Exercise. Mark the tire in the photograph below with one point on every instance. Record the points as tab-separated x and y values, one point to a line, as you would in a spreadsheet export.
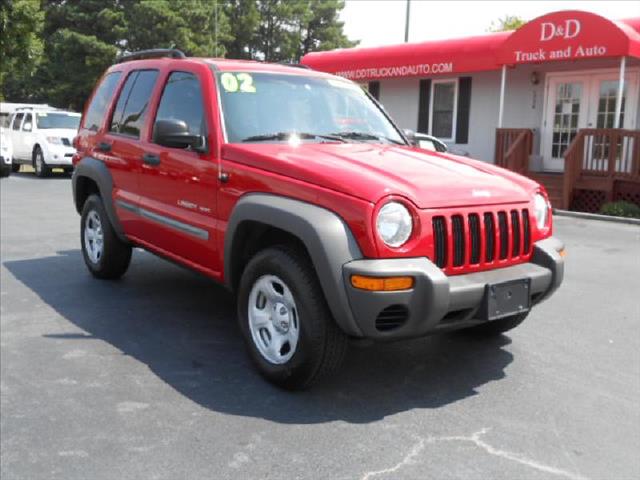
39	165
112	259
15	167
497	327
320	345
5	170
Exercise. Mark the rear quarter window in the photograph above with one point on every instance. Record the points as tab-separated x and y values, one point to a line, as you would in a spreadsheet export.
100	101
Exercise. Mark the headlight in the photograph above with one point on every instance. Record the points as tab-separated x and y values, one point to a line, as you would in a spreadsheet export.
541	210
54	140
394	224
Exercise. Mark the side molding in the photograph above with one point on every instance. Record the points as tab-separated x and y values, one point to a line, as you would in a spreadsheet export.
97	171
326	236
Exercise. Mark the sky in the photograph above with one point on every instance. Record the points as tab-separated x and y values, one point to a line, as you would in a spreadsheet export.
381	22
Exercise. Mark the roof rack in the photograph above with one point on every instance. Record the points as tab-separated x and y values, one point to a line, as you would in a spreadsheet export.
153	53
296	65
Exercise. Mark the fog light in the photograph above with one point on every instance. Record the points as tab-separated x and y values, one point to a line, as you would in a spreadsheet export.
382	284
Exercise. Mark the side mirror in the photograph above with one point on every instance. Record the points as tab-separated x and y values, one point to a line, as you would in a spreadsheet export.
410	135
26	127
175	133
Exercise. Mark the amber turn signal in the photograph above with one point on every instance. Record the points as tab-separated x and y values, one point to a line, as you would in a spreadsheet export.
562	253
382	284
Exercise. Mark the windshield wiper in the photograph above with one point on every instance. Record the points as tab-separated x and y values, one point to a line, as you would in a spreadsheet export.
354	135
286	135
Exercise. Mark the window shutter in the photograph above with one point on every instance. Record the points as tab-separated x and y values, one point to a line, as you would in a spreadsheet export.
374	90
464	106
424	98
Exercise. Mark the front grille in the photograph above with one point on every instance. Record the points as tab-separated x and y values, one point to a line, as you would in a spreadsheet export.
458	241
392	317
440	242
66	141
481	238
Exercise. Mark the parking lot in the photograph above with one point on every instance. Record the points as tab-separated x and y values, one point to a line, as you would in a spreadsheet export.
147	377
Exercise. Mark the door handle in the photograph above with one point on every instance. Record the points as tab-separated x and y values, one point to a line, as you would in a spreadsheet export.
104	147
151	159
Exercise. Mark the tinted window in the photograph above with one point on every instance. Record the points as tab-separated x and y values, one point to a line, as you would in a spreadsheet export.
27	126
17	120
182	100
100	101
131	109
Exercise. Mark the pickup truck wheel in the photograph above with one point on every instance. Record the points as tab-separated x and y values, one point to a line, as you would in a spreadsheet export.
496	327
105	255
15	167
284	318
39	164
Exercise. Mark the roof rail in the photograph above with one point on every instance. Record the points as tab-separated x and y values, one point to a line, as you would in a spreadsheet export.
296	65
153	53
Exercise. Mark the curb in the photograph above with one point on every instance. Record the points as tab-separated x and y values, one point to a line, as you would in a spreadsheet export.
595	216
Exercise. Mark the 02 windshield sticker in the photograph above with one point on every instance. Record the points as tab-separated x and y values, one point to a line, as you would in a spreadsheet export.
237	82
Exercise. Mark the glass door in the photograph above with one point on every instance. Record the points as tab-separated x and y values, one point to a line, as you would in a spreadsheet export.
565	116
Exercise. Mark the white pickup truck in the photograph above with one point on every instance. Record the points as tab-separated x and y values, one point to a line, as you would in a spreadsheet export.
43	138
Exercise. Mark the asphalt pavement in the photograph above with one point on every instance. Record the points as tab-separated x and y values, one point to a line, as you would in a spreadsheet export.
146	378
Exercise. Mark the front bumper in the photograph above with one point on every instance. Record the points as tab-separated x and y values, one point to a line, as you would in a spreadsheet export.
438	302
58	155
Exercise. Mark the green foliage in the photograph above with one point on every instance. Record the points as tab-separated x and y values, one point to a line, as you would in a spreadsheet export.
284	30
53	51
21	47
508	22
621	209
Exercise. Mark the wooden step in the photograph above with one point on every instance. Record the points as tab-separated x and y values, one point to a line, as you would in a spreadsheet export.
553	184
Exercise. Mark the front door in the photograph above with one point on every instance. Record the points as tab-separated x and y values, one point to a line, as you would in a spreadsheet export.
566	113
178	186
583	101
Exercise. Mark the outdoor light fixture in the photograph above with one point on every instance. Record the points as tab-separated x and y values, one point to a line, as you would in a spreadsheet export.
535	78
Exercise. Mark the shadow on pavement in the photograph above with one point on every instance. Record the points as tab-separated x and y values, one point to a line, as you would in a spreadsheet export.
183	327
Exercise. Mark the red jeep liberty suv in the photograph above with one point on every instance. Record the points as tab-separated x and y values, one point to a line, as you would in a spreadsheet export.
297	191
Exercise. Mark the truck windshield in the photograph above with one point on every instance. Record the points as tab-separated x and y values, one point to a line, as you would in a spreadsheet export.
268	107
57	120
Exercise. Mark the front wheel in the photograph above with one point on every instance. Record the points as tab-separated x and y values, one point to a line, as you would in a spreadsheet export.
286	323
39	165
105	255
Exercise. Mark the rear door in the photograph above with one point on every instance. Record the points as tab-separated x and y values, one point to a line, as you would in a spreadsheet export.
178	186
123	144
16	135
27	136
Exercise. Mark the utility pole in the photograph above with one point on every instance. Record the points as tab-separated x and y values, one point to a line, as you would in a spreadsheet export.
406	22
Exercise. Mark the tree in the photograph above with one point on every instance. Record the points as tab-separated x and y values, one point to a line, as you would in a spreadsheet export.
506	23
319	27
21	45
284	30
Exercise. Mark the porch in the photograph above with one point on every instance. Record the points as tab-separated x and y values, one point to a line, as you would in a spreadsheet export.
600	165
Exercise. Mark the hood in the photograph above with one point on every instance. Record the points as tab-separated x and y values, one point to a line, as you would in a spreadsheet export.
371	172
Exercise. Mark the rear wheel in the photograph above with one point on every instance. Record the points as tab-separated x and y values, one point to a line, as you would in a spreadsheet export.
39	165
105	255
286	323
496	327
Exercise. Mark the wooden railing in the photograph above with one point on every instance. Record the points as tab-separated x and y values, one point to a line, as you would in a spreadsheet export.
513	148
600	156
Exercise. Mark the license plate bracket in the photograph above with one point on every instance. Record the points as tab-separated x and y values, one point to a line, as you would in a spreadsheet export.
507	298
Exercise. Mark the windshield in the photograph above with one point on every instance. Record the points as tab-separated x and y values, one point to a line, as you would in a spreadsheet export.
262	107
57	120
